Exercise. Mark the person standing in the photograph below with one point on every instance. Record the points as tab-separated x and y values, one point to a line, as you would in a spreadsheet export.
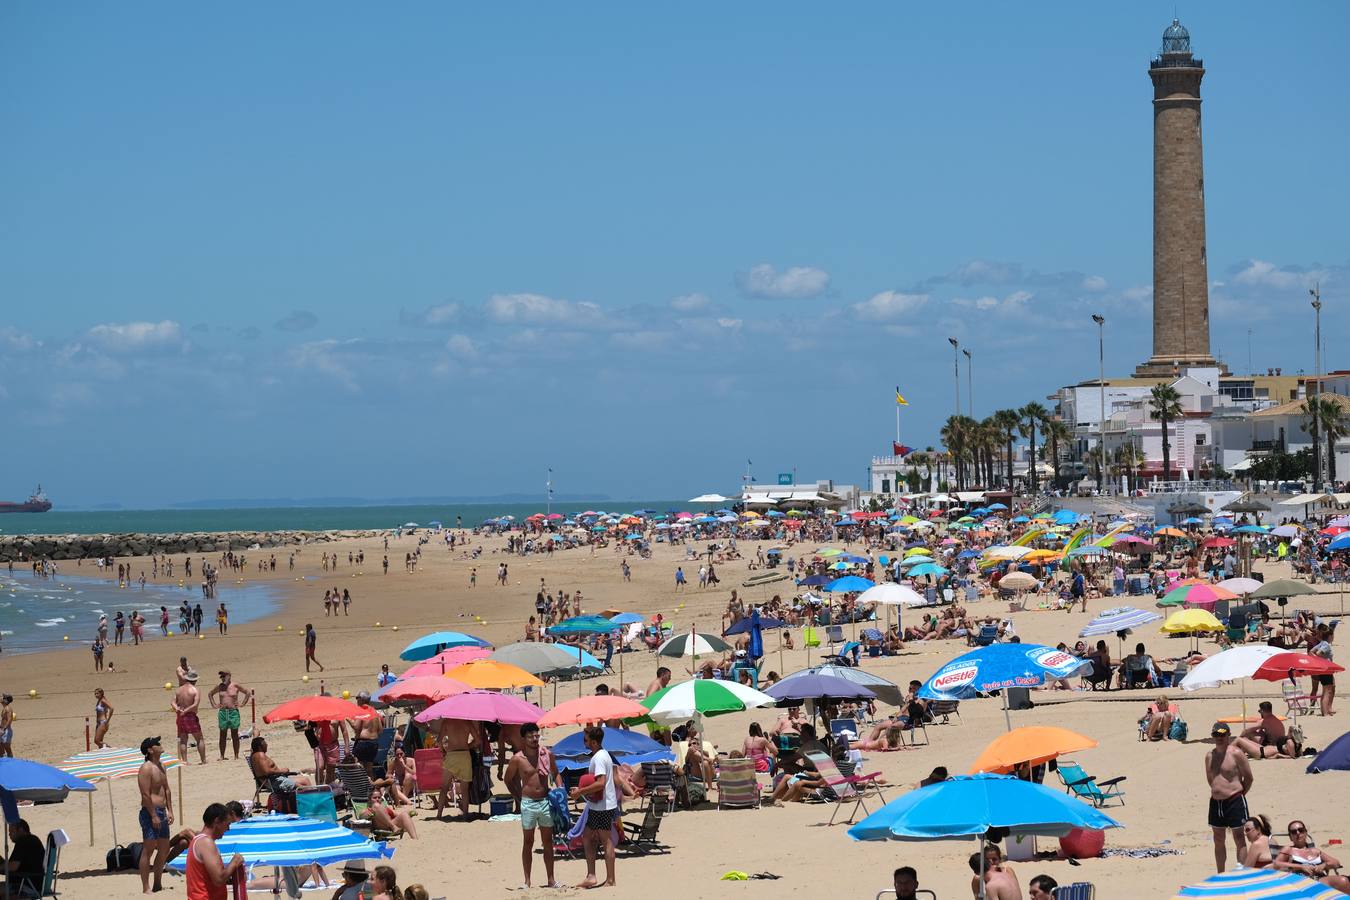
457	740
529	775
6	725
103	713
1230	778
186	701
311	642
197	619
602	801
226	698
207	873
156	814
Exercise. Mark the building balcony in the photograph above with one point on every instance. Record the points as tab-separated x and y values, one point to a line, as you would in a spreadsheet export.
1275	446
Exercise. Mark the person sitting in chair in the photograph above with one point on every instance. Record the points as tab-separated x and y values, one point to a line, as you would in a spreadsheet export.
26	864
1158	719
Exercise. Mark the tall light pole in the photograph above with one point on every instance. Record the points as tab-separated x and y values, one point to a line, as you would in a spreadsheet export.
970	385
1316	292
956	370
1101	399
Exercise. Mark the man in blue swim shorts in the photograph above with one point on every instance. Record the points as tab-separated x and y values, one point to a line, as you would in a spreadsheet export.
156	814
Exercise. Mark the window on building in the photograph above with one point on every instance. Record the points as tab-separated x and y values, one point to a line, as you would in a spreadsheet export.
1199	440
885	485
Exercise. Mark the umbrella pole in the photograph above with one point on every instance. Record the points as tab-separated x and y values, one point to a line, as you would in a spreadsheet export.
181	806
1007	719
112	812
90	798
981	842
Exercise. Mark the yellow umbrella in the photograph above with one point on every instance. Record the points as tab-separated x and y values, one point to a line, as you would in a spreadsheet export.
1191	620
918	551
1042	555
490	674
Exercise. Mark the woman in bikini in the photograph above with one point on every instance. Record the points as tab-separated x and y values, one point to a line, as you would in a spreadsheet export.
1302	856
387	817
759	748
1257	832
103	713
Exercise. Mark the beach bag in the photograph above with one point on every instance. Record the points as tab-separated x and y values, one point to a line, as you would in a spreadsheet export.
123	858
1178	730
1296	734
480	788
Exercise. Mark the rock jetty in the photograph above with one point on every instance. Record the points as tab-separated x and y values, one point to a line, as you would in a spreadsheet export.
19	548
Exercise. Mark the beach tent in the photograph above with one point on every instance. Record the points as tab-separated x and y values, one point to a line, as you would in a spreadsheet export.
1335	756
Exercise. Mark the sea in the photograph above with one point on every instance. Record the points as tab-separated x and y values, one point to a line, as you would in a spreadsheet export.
299	518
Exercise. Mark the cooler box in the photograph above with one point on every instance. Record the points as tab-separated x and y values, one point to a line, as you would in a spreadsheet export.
501	806
1082	843
1021	847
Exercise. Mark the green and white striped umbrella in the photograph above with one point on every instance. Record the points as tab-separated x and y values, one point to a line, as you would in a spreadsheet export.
702	696
693	643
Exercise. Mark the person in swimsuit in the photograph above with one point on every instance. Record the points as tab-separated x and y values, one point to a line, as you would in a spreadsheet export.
1304	857
103	713
1257	832
759	748
226	698
529	776
156	814
6	725
1229	776
186	701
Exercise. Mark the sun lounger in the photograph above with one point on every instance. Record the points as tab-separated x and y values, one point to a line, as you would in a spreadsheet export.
850	789
737	785
1087	787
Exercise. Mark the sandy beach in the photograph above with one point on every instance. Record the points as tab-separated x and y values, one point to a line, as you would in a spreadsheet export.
1165	792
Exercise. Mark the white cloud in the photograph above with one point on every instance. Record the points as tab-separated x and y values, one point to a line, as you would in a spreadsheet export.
889	305
1259	273
730	324
131	337
16	341
536	309
798	282
1012	305
690	302
639	340
1094	283
461	345
327	357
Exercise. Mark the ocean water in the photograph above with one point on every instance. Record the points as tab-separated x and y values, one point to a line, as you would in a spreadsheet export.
40	613
309	518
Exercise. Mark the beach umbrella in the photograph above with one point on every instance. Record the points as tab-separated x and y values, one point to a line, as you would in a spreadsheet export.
491	674
849	583
1266	884
429	645
626	618
446	659
1031	746
916	560
998	667
109	764
1202	595
1335	756
745	625
1122	618
1189	621
1286	531
927	569
24	779
969	806
1293	665
585	710
823	688
482	706
1018	581
892	594
583	625
1282	587
692	643
419	689
885	691
678	703
629	747
1340	543
1230	665
1239	586
546	660
319	708
814	581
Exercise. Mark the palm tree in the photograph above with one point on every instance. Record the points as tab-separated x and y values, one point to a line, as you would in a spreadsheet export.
1327	418
1129	457
1033	414
954	438
1164	405
1054	431
1007	422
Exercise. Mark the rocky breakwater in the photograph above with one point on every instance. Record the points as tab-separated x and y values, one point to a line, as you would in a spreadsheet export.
92	546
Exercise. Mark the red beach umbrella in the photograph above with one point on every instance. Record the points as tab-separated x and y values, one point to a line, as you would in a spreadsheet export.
320	708
1286	665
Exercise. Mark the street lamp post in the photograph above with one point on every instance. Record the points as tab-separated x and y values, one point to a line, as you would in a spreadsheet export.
1101	399
1316	292
970	385
956	370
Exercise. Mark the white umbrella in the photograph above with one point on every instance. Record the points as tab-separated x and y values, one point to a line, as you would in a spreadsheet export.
1240	585
708	498
1230	665
892	594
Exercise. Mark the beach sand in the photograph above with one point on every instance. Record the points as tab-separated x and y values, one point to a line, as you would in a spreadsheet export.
1165	792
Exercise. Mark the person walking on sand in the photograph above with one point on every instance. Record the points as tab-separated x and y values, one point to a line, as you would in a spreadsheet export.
6	725
311	642
186	701
1229	775
529	775
156	814
226	698
223	619
602	801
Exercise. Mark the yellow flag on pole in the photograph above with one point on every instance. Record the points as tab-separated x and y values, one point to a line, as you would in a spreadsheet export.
899	400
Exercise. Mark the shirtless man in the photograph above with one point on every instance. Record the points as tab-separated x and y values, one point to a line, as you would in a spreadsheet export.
529	775
661	680
182	670
6	725
366	743
156	814
1230	778
1267	739
226	699
456	739
186	701
1000	882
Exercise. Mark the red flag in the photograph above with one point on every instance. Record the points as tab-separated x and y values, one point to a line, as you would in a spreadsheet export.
900	449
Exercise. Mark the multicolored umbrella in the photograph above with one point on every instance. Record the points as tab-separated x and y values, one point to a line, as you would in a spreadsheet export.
1122	618
110	764
1265	884
1196	595
709	697
693	643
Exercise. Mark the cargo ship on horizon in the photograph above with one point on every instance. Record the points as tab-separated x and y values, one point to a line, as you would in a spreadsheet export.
36	503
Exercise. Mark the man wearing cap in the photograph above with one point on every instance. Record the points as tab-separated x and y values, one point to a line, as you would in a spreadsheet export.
186	701
156	814
226	699
1230	778
366	743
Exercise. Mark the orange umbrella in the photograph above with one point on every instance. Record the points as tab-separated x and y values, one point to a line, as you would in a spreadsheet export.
1171	532
428	688
320	708
585	710
489	674
1032	745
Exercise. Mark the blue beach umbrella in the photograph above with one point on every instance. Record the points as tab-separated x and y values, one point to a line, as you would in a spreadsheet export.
1335	756
744	625
626	619
429	645
629	747
849	583
1266	884
814	581
998	506
1251	529
293	841
927	569
24	779
1340	543
999	667
583	625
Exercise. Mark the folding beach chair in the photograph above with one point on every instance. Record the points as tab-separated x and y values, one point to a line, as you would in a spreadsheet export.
834	634
737	784
944	708
642	838
849	789
1087	787
838	727
921	892
1079	890
605	666
430	772
385	744
25	887
1296	702
660	784
988	634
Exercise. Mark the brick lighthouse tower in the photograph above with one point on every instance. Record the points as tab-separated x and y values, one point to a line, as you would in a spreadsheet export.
1180	276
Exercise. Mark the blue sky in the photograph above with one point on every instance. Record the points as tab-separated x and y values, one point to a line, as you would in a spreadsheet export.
313	249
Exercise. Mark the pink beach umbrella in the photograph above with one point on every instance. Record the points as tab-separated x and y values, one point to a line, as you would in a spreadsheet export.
482	706
446	660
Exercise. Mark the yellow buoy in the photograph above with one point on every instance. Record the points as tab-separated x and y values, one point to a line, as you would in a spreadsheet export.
65	637
201	637
33	694
346	695
279	628
377	624
395	628
168	685
305	679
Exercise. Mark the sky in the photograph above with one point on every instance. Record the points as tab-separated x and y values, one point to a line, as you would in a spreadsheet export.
316	249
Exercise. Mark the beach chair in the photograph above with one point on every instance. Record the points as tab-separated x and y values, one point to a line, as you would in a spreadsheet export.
921	892
1087	787
988	634
430	772
948	596
1099	677
276	801
946	709
25	887
659	778
605	667
737	784
810	638
851	789
1079	890
317	803
930	596
834	634
839	726
384	746
1296	702
914	726
642	838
